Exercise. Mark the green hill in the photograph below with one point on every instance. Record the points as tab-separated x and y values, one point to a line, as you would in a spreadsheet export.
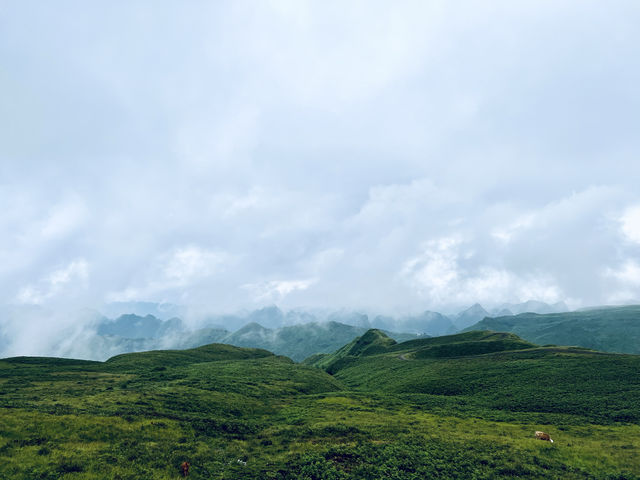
611	329
494	371
166	358
372	341
376	342
462	406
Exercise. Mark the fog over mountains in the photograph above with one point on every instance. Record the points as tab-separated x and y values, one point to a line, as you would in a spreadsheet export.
136	326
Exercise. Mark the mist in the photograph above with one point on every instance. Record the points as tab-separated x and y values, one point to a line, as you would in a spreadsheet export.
321	156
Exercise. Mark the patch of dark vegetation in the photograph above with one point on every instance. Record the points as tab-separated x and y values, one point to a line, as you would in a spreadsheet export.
69	466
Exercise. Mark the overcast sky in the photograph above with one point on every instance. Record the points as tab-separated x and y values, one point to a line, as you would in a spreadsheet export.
384	155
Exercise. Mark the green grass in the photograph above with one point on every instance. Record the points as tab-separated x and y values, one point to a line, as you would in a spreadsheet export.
612	329
207	353
463	406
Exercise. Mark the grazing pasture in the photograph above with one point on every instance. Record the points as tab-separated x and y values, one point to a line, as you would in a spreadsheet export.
448	407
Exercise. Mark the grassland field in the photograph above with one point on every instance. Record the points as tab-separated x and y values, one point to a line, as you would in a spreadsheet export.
435	408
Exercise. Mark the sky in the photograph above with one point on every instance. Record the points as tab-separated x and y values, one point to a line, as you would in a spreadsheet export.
394	156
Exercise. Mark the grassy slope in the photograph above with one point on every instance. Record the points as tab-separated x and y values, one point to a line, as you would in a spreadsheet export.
613	329
371	341
432	408
140	415
548	381
164	358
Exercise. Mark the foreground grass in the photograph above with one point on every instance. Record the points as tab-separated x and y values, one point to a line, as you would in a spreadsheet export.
260	416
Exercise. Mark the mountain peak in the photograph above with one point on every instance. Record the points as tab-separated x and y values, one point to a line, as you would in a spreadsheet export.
371	339
252	327
475	307
471	315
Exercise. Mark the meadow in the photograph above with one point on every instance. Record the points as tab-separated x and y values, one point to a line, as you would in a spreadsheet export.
463	406
609	329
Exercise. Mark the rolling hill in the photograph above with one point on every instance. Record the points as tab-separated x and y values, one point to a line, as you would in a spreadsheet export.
496	371
611	329
459	406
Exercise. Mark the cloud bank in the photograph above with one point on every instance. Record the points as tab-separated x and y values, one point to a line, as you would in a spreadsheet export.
397	158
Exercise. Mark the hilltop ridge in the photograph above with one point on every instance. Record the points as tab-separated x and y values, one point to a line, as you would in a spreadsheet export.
610	329
458	406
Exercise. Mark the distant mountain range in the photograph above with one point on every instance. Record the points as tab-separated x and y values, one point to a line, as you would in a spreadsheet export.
610	329
532	306
296	333
134	326
163	311
428	322
471	315
130	333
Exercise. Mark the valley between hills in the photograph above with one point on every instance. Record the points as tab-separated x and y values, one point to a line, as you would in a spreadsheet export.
459	406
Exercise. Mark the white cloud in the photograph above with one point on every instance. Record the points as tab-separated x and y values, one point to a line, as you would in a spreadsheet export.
444	275
505	234
324	260
334	54
191	263
628	273
181	269
276	290
404	202
67	282
256	198
217	142
630	221
268	144
64	218
435	272
623	283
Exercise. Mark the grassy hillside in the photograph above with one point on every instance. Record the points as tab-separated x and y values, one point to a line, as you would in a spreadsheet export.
612	329
172	358
140	415
373	341
377	342
463	406
499	374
